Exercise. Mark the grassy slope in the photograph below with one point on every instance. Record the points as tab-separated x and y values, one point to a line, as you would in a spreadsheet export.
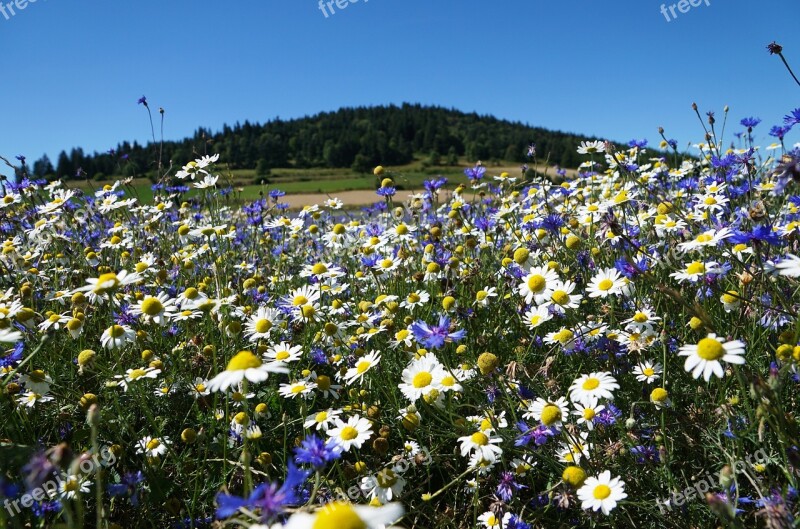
296	181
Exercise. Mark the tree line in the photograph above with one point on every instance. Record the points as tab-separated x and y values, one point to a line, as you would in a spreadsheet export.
358	138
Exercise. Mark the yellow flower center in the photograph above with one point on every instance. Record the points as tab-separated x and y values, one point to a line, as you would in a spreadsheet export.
695	268
152	444
387	263
338	515
243	360
299	300
560	297
605	285
422	379
551	414
413	298
602	492
348	433
319	269
480	439
564	336
136	374
282	355
386	478
481	295
402	229
152	306
710	201
659	395
37	375
448	381
116	331
588	414
649	372
730	297
710	349
704	237
298	388
590	383
323	382
640	317
71	485
536	283
321	416
535	319
106	282
362	366
263	325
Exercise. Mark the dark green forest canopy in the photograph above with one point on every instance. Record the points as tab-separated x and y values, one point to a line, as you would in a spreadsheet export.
350	137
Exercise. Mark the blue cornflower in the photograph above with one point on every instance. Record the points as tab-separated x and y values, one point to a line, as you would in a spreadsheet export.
641	144
316	452
268	498
318	356
537	435
763	234
142	101
507	486
434	337
434	184
275	194
38	470
750	123
792	119
645	454
388	191
779	132
475	173
128	487
21	159
515	522
13	357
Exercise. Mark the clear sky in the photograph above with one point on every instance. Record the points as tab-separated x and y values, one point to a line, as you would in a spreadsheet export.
74	69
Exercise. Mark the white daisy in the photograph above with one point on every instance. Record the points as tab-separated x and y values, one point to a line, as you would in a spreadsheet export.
363	364
704	357
599	385
353	433
601	493
647	371
244	365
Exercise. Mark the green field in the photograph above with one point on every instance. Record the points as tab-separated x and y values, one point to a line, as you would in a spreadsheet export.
299	181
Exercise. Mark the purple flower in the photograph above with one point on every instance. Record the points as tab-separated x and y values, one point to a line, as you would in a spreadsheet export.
316	452
750	123
142	101
386	191
128	487
268	498
792	119
475	173
434	337
507	486
21	159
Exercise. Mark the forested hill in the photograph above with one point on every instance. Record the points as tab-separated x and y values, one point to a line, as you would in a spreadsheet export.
350	137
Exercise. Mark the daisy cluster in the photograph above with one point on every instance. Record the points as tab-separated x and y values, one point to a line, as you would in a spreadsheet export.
507	353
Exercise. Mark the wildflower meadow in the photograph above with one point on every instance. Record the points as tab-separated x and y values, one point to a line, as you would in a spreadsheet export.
615	349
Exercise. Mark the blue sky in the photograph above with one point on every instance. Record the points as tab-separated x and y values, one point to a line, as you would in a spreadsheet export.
74	70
